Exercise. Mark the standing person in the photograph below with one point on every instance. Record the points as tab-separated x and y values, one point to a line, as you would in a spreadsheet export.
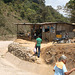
66	35
35	35
29	35
38	45
60	68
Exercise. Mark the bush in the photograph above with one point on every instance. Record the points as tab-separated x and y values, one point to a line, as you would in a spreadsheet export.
19	18
2	20
8	14
7	1
22	14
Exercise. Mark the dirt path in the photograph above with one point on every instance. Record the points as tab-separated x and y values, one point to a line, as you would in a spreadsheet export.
43	45
7	68
4	46
31	44
11	65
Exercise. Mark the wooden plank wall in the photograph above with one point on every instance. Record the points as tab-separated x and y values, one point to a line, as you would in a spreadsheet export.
67	28
48	35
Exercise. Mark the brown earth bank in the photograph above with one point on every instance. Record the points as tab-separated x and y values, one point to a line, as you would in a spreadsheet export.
52	53
26	68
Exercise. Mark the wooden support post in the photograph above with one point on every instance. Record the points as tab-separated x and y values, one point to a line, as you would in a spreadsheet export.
55	30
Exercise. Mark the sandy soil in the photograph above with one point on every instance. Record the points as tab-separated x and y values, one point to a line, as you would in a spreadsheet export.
31	44
8	67
11	65
52	53
4	46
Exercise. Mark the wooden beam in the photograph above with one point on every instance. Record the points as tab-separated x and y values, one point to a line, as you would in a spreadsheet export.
45	23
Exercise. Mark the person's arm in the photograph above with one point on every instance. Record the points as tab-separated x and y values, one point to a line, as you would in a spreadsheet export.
41	40
54	68
69	72
35	43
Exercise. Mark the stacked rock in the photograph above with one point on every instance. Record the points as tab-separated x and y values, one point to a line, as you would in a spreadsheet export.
21	52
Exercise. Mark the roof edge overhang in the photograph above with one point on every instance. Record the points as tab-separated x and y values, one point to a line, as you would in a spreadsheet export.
45	23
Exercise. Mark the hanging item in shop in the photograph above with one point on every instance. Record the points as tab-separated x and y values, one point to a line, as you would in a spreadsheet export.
52	28
43	29
48	27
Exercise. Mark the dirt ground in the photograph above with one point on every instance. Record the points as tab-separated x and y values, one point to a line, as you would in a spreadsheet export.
52	53
7	68
31	44
11	65
18	67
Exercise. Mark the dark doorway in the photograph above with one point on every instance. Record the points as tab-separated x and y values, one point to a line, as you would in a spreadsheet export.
39	33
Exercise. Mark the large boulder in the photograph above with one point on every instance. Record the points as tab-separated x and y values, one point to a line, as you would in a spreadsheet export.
21	52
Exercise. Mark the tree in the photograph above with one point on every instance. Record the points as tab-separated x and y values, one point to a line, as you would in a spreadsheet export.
31	15
7	1
2	20
71	6
22	14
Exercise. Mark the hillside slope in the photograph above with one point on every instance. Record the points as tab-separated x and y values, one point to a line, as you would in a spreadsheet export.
21	11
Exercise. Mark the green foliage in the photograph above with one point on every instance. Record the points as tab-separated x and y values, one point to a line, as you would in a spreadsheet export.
22	14
35	11
8	14
71	5
7	1
31	15
2	20
19	18
35	6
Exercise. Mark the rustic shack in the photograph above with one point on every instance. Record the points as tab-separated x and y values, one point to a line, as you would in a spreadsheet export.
47	31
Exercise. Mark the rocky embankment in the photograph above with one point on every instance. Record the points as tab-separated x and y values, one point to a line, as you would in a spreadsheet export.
21	52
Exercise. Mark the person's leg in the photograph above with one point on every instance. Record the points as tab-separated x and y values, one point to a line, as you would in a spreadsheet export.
34	37
38	51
